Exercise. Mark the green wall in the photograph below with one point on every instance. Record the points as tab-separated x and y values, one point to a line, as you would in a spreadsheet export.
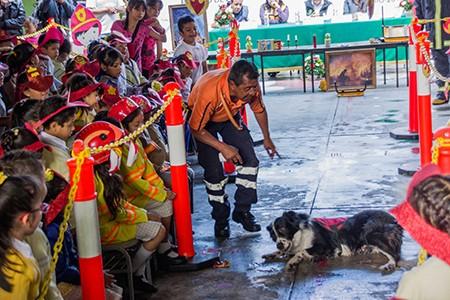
28	6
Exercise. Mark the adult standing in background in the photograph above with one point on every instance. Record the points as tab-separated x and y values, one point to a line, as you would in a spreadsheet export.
12	16
274	12
240	11
59	10
318	8
107	11
440	39
355	6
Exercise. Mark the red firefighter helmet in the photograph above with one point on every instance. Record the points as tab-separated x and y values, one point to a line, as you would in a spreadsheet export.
98	134
443	132
122	109
143	103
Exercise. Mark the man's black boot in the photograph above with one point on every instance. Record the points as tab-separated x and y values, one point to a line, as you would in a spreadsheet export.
222	230
247	220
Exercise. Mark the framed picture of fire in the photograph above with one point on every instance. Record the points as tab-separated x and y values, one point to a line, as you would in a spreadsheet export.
178	11
351	69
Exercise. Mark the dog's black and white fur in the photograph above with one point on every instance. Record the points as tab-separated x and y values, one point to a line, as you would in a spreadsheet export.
301	238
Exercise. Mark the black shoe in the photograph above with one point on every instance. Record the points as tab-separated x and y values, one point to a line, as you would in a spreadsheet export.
141	284
166	259
222	231
247	220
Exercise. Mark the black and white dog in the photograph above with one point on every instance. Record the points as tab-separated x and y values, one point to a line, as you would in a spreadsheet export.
301	238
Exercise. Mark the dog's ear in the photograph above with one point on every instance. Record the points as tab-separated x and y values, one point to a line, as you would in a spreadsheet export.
292	219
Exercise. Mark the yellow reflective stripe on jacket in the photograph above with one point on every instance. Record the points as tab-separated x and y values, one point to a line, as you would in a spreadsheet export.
437	25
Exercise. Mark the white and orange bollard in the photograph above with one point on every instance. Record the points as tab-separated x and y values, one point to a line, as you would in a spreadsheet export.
178	170
410	132
424	99
413	123
87	228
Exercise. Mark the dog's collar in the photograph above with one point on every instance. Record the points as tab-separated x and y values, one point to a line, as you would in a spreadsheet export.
274	230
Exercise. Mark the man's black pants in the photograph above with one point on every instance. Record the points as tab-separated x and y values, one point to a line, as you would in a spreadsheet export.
214	177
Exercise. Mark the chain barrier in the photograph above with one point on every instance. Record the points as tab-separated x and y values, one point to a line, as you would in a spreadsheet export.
42	30
76	179
428	60
65	223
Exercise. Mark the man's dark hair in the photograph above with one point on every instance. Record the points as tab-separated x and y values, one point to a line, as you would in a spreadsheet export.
183	21
243	68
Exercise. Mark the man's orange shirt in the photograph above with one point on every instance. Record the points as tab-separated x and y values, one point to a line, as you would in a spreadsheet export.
206	104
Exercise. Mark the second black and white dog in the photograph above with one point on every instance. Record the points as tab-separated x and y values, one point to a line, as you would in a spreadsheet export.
300	238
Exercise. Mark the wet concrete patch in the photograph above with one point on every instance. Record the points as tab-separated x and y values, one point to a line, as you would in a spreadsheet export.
211	284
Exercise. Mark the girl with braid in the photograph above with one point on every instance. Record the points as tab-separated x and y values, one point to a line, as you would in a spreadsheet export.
425	214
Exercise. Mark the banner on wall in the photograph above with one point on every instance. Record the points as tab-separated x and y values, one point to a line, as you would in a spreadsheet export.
197	7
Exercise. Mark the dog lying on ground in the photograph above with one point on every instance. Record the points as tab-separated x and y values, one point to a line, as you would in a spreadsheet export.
300	238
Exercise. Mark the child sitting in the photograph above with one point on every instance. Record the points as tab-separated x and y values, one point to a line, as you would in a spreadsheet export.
57	116
133	75
83	88
111	62
188	32
142	185
25	111
425	215
20	212
22	163
186	64
120	220
22	56
49	44
21	138
63	56
33	84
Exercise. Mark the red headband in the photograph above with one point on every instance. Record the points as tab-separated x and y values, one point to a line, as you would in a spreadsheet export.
59	110
435	241
83	92
35	147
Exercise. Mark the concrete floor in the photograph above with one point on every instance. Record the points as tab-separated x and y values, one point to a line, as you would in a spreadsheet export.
337	159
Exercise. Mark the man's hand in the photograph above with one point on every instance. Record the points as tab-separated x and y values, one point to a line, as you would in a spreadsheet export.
270	147
231	154
170	195
61	1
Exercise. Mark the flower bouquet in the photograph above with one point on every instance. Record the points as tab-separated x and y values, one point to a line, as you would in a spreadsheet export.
407	5
224	16
319	66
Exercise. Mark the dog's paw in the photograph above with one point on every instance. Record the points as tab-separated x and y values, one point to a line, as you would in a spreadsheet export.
270	256
388	267
292	264
290	267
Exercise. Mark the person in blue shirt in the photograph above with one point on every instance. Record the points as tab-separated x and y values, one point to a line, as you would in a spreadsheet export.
240	11
59	10
355	6
12	16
